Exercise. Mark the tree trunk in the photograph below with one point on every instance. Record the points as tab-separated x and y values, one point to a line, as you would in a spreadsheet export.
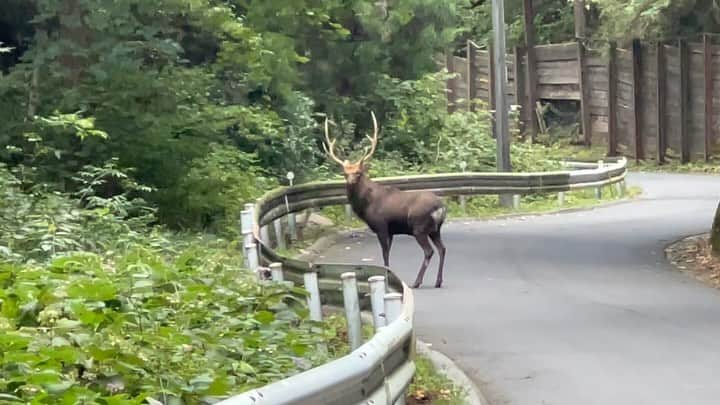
715	233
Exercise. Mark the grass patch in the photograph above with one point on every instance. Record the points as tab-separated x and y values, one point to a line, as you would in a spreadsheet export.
430	386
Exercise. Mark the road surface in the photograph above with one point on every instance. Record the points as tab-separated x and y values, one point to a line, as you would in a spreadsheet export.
573	309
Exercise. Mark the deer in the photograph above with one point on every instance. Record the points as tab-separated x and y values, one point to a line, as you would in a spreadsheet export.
389	211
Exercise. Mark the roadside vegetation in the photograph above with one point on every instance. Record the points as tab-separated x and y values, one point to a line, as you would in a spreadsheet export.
132	133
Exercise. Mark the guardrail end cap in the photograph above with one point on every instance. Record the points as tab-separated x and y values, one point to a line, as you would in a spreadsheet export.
275	265
348	275
376	278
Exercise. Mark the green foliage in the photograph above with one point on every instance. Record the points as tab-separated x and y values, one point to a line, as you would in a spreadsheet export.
85	329
215	189
553	22
430	384
656	19
38	224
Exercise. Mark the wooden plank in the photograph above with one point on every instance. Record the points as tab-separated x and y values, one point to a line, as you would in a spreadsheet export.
559	92
684	101
709	123
584	94
471	74
556	52
612	101
660	111
530	66
557	73
637	101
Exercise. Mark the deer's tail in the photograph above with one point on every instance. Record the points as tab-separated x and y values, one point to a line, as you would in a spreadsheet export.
439	216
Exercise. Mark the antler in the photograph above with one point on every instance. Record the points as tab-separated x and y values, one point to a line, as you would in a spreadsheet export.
373	139
329	145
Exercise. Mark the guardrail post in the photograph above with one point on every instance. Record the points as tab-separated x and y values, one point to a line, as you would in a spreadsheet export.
279	236
516	201
463	204
377	300
561	198
348	212
311	285
252	256
393	306
261	273
277	272
292	227
246	226
618	189
264	235
352	309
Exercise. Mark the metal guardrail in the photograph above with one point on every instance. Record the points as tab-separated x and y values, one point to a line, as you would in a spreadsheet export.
379	371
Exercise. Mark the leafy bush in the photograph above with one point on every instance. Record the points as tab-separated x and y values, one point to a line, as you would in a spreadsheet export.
215	189
85	329
39	224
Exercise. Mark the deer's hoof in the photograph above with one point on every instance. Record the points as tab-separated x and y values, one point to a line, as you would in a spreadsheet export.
438	285
415	286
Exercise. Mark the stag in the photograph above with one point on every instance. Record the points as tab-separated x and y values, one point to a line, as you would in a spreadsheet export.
388	211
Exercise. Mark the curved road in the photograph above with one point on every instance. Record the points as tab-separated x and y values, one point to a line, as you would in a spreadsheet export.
574	309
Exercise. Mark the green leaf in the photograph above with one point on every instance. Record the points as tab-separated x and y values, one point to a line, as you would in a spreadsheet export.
264	317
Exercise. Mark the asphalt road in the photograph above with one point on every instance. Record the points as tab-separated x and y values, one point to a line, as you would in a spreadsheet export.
574	309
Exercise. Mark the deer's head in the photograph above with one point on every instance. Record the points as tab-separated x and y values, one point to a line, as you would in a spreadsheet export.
353	172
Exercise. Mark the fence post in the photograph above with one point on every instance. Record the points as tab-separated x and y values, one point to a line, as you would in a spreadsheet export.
531	68
471	74
709	127
277	272
352	309
279	236
450	64
637	101
377	302
520	98
311	285
612	101
584	93
393	307
252	256
561	198
684	101
660	89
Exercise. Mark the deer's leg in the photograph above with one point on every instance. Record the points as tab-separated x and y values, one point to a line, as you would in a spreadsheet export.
422	239
437	241
385	243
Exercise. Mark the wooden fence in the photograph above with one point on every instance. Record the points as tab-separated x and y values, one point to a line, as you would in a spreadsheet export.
651	101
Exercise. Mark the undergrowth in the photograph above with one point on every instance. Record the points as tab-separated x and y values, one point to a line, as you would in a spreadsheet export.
100	306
